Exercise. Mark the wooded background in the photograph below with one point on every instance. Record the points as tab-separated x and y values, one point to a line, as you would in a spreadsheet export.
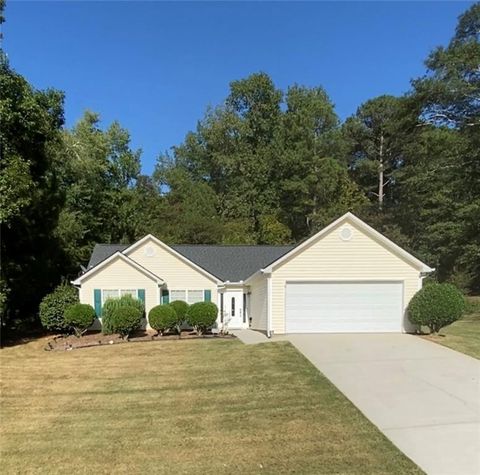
265	167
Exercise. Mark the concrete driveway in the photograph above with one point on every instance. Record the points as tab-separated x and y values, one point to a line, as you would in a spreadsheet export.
425	398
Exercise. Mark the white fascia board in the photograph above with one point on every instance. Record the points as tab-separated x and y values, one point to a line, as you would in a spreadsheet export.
368	230
264	272
172	251
118	255
252	276
390	244
227	284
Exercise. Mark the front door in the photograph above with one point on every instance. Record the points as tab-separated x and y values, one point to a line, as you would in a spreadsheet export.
233	311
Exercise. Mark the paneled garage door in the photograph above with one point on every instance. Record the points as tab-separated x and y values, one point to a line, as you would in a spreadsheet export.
343	307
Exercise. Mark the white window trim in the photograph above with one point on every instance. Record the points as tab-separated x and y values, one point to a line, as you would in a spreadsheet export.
176	290
119	290
187	291
196	290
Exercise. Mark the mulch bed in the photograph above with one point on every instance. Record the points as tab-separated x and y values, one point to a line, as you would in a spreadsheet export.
90	339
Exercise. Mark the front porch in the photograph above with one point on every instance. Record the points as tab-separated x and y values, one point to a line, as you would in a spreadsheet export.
234	306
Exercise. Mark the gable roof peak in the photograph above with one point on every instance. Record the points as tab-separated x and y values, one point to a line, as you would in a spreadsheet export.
367	229
118	255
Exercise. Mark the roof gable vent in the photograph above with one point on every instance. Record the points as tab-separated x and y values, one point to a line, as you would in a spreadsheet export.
346	233
149	251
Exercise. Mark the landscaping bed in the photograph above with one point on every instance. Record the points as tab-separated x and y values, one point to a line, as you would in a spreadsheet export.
96	338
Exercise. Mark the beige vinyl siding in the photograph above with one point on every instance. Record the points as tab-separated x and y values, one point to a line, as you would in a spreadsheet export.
177	274
331	258
118	274
258	303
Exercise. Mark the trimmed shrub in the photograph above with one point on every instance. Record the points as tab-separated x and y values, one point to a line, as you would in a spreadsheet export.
124	320
201	316
162	318
435	306
181	309
111	305
53	306
80	316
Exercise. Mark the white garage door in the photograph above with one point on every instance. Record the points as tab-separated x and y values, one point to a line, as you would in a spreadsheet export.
344	307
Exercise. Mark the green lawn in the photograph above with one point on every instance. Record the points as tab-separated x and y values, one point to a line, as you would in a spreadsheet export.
171	407
464	334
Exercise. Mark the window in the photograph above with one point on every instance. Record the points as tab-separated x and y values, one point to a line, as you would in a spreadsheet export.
195	296
178	295
116	293
233	306
109	294
190	296
132	292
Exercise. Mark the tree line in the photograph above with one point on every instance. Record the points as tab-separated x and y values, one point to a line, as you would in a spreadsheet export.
267	166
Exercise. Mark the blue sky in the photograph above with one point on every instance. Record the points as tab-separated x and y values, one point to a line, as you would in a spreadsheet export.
156	66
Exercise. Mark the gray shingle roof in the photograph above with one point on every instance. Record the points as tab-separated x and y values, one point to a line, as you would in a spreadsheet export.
233	263
102	251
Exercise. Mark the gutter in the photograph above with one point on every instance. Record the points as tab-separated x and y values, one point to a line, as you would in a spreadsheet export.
226	283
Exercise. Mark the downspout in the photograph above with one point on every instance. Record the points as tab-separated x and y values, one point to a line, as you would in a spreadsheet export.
422	276
269	306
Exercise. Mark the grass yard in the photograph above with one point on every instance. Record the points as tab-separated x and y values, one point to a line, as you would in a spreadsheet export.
171	407
464	334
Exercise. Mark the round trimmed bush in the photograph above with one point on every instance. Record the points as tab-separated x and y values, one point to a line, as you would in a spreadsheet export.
181	309
201	316
124	320
162	318
53	306
436	305
80	316
111	305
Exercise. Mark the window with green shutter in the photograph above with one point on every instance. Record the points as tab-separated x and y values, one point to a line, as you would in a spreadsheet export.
165	296
207	295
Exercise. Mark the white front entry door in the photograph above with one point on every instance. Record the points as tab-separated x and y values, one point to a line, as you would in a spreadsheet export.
233	311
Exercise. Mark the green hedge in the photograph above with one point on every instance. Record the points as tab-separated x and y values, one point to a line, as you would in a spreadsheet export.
181	308
80	316
53	306
124	320
111	305
162	318
435	306
202	316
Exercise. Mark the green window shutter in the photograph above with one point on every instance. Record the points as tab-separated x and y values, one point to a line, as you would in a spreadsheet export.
165	296
207	295
97	298
141	295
